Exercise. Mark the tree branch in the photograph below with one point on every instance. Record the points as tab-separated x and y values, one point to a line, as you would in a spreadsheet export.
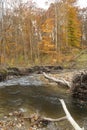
62	82
54	120
69	117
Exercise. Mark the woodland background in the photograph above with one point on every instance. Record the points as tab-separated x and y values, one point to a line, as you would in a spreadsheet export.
34	36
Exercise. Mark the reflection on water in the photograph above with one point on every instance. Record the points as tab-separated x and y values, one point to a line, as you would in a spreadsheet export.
38	98
43	99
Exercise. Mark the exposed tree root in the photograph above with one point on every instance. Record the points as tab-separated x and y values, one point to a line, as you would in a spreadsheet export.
79	88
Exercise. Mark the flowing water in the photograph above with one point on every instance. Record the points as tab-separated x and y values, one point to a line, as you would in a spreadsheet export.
44	99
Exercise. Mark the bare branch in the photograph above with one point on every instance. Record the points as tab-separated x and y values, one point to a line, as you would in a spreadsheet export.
54	120
62	82
69	117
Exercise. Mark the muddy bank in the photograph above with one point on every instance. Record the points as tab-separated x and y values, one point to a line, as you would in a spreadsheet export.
3	74
34	70
14	72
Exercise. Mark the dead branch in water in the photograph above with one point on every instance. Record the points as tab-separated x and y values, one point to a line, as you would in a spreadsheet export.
40	122
55	120
69	117
44	118
62	82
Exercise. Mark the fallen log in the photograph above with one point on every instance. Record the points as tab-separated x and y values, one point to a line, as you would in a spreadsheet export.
69	117
62	82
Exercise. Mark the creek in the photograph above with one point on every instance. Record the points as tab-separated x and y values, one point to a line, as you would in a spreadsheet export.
31	95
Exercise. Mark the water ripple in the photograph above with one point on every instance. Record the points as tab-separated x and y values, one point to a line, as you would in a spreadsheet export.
23	81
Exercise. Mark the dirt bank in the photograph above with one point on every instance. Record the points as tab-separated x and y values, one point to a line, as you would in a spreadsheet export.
14	72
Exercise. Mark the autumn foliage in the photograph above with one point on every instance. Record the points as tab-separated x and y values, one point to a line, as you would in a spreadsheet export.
30	35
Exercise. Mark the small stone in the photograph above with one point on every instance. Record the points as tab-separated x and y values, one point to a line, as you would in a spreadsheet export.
15	119
32	120
19	125
36	117
16	113
10	114
5	117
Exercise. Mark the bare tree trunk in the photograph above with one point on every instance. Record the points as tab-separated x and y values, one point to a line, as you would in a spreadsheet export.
2	32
